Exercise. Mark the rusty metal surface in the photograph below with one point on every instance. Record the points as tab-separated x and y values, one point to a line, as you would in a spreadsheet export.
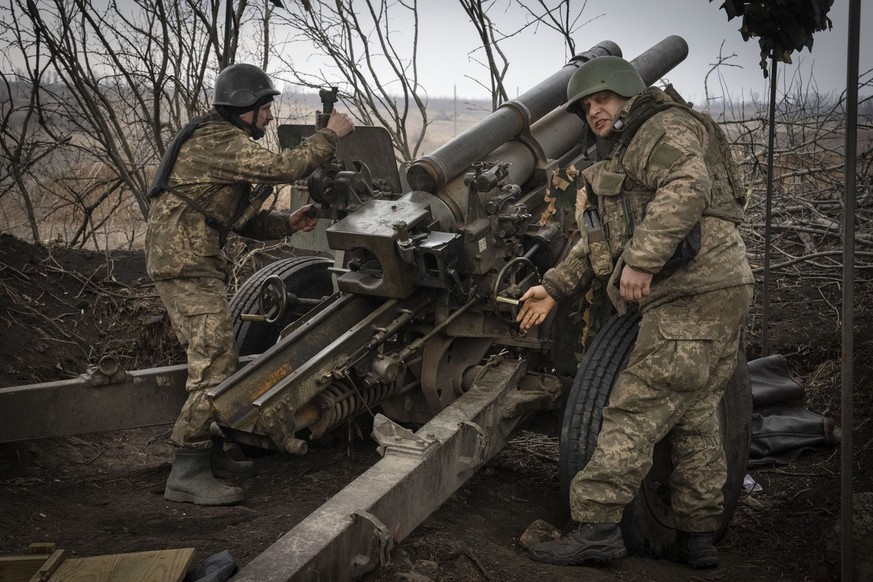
91	403
234	397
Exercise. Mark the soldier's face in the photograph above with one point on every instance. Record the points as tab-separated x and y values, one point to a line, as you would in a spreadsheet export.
261	117
600	110
265	116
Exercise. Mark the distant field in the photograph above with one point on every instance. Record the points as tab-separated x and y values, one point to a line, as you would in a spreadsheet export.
60	196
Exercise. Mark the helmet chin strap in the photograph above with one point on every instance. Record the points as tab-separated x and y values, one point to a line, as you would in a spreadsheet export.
253	130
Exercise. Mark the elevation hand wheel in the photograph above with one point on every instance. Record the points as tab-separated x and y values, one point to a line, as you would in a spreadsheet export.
273	299
516	277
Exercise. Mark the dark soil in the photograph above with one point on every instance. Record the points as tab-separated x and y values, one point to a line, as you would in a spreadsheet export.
61	310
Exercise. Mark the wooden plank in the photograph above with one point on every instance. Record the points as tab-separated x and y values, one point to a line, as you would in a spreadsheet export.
41	548
26	567
48	567
20	568
155	566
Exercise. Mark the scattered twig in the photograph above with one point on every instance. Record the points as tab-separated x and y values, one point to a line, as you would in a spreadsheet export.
478	564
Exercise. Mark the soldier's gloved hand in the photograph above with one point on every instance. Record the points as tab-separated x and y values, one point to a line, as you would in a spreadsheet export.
340	123
536	304
304	218
634	284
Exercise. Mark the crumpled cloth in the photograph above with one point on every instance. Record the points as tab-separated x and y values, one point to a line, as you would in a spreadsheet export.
781	427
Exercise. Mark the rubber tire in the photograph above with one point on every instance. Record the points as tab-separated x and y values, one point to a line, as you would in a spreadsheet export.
306	277
647	522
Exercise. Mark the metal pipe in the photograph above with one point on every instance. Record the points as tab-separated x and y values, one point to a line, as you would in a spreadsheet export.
768	213
848	339
560	131
429	173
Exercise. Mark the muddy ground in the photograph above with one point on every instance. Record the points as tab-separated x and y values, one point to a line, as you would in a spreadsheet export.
60	310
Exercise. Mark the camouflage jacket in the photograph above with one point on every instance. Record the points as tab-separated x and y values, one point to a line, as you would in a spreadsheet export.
214	169
650	193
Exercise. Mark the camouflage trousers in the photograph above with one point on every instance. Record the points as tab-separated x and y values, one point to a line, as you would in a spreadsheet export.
683	358
201	318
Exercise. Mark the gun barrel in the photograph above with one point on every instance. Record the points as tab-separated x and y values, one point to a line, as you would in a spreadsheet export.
555	134
429	173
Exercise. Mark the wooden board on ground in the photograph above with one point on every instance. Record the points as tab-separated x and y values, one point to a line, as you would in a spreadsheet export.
41	560
155	566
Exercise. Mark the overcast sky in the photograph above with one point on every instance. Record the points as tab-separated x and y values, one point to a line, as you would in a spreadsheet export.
636	25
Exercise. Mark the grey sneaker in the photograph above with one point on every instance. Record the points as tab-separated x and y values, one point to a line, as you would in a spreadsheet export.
595	542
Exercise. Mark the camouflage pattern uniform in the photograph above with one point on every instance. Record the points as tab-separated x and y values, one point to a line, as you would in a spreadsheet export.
651	191
183	256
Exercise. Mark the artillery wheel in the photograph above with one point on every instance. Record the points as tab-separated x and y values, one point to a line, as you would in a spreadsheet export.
647	523
305	277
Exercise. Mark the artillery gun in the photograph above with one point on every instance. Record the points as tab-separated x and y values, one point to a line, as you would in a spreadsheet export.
415	317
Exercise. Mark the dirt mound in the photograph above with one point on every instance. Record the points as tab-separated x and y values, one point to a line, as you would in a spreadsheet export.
62	309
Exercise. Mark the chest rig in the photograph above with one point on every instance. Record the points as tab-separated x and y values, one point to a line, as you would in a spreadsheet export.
160	183
617	202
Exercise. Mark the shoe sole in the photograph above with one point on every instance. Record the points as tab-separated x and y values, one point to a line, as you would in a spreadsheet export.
703	563
597	557
182	497
219	474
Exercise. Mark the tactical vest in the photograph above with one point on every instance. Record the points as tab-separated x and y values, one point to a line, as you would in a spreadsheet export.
621	201
168	161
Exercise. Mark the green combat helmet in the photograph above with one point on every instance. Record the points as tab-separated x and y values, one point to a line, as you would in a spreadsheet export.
602	74
242	86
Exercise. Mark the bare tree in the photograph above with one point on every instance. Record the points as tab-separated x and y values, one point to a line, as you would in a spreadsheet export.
25	141
365	58
495	60
718	68
808	177
560	17
125	79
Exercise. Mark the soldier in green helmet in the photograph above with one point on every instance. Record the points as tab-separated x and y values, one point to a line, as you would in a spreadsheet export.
659	220
200	193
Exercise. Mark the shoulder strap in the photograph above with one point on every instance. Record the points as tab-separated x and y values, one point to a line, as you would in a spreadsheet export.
649	104
168	161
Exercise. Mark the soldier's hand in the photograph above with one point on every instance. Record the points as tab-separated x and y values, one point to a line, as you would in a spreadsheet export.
536	304
634	284
304	218
340	123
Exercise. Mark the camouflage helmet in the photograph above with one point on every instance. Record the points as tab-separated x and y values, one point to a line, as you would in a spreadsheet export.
243	86
605	73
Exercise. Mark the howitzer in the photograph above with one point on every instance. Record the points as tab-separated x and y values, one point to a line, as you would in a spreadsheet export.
431	267
422	326
415	318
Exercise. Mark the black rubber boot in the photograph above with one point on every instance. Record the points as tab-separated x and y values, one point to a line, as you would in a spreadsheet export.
595	542
191	480
226	467
696	549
